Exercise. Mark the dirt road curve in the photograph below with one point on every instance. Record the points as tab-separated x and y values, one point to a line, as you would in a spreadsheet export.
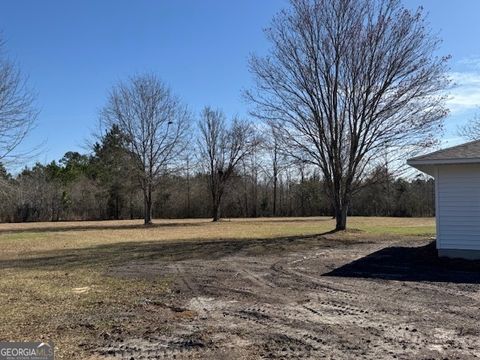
307	298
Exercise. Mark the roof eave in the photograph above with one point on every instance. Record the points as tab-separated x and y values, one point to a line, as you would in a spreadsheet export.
428	166
413	162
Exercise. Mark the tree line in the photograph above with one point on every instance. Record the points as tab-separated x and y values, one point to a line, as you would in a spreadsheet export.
101	185
347	90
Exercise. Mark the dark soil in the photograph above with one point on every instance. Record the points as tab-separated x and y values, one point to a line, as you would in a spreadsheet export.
303	299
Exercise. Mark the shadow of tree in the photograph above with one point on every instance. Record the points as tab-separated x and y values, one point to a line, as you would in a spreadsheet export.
81	226
56	227
411	264
149	251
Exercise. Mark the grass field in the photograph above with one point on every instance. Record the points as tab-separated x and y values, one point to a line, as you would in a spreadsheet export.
55	282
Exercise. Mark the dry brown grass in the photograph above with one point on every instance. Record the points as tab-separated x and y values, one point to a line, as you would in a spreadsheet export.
53	281
19	240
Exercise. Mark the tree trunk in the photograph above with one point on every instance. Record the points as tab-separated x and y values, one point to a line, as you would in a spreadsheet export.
275	179
302	192
147	195
188	196
341	217
245	192
131	205
275	184
216	210
254	213
117	207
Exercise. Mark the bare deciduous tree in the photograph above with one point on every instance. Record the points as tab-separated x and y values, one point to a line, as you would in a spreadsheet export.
471	130
222	148
156	125
344	78
17	111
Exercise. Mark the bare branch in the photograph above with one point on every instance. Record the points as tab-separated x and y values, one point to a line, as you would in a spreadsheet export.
471	130
17	111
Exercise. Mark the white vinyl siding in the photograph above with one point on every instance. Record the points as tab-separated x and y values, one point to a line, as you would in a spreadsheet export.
458	207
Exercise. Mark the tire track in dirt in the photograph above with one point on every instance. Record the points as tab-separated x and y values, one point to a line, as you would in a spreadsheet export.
407	336
284	307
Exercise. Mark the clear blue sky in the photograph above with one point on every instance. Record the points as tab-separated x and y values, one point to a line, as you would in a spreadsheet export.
74	51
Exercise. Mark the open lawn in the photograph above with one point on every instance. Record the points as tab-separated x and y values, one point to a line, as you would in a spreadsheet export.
260	288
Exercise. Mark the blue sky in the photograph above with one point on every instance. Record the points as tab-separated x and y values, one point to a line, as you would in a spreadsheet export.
74	51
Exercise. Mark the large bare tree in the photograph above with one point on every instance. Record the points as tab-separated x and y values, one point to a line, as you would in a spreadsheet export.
156	125
222	147
17	111
346	79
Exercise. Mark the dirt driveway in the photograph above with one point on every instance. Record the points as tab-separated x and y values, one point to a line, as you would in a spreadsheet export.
308	298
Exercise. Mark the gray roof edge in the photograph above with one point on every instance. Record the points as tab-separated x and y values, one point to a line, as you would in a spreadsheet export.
425	156
415	161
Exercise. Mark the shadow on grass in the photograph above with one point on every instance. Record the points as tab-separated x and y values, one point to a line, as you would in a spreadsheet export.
411	264
80	226
168	251
57	227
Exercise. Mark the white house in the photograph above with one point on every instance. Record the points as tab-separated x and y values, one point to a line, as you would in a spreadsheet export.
457	198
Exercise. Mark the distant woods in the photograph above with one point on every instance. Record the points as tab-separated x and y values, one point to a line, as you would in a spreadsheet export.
103	185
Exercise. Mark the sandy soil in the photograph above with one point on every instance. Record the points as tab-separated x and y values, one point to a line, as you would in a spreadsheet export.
302	299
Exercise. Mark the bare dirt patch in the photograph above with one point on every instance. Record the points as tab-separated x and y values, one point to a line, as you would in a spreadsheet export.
307	298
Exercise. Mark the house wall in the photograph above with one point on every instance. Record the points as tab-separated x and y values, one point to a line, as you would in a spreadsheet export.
458	208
